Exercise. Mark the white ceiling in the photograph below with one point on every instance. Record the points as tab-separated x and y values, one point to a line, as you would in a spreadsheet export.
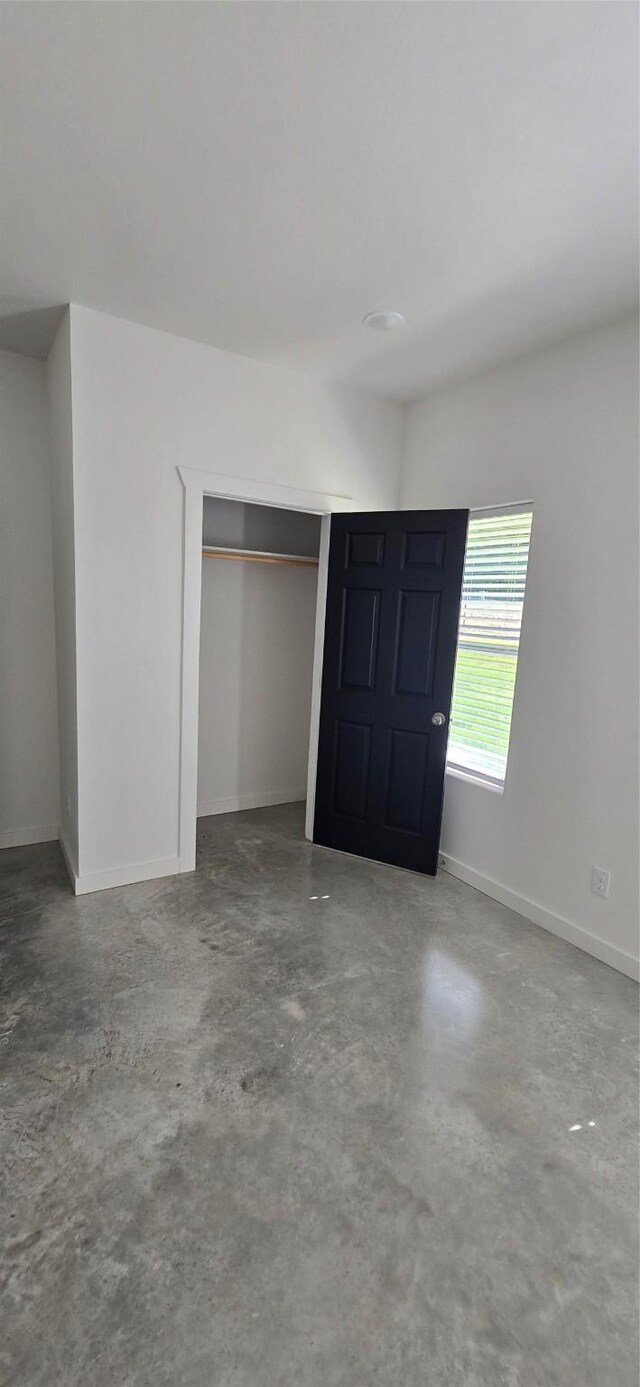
259	176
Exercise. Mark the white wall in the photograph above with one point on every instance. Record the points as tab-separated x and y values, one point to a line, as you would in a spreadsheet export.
240	524
145	402
29	777
256	660
62	516
560	428
256	663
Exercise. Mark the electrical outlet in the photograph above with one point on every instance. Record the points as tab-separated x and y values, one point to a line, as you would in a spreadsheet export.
600	879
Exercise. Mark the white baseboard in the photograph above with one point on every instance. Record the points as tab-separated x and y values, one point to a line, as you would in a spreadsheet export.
261	800
555	924
126	876
22	837
115	876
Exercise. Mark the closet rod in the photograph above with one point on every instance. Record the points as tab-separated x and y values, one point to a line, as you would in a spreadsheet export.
259	556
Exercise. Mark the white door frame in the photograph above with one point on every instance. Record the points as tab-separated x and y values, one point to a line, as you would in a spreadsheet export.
198	484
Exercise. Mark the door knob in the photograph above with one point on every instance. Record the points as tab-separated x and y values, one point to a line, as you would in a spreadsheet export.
438	719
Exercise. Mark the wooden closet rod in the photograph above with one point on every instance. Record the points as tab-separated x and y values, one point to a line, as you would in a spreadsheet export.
259	556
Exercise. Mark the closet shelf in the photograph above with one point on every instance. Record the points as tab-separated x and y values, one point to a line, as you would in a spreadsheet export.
258	556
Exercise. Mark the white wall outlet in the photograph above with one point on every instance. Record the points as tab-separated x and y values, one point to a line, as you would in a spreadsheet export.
600	879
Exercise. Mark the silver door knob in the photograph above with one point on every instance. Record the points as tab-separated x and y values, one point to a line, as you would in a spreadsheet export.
438	719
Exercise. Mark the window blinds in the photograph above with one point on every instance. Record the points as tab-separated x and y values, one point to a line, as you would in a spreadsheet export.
495	570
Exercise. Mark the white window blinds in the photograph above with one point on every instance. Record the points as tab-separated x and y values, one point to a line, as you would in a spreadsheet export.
495	571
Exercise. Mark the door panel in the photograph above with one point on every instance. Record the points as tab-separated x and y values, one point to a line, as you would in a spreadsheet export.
352	760
405	779
415	642
393	597
360	618
364	550
423	549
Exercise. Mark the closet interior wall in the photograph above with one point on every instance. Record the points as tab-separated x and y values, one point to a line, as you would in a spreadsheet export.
256	658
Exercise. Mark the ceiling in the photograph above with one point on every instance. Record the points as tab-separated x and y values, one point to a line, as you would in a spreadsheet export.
260	176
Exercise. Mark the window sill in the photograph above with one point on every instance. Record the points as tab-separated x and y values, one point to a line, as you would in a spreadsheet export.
472	779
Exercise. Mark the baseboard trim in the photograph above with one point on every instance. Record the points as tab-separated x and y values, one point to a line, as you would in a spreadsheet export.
261	800
24	837
126	876
555	924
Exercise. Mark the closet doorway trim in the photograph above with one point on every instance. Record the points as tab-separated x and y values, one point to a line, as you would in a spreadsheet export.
198	484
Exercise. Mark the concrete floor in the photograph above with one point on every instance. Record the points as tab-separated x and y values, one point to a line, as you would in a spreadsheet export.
299	1120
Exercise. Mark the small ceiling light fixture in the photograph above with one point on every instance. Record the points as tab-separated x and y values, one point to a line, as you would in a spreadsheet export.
383	320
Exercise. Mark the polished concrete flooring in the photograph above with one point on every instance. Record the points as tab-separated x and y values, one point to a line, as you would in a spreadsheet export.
299	1120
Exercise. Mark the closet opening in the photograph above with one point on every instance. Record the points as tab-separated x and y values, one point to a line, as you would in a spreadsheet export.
257	638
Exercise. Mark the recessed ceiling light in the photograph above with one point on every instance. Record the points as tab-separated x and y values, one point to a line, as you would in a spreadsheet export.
383	321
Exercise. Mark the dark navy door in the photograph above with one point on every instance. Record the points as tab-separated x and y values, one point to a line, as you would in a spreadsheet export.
393	599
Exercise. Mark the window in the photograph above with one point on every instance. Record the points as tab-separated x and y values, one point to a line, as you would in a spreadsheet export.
495	571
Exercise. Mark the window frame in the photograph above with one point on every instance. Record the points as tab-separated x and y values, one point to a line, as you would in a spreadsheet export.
454	768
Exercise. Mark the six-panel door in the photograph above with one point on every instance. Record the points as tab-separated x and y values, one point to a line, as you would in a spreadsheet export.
393	599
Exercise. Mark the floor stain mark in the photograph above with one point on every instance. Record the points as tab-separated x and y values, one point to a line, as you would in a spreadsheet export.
259	1082
20	1245
293	1009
